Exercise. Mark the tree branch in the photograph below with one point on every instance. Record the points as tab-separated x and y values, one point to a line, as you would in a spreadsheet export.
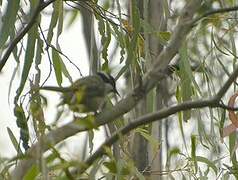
181	30
212	102
23	32
216	11
184	26
143	120
227	84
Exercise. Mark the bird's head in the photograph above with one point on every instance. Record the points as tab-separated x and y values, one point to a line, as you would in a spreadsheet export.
110	83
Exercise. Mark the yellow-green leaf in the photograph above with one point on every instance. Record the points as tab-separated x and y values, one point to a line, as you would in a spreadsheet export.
208	162
14	140
29	55
8	20
57	66
193	151
164	36
186	83
31	173
54	20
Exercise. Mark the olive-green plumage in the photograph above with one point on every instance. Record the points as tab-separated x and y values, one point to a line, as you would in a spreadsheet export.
86	94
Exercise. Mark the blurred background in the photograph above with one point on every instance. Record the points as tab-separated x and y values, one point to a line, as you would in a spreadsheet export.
125	38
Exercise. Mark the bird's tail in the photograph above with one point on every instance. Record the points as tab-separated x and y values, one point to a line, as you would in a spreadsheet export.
56	89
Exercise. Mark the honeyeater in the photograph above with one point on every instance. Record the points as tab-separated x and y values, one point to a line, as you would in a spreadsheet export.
86	94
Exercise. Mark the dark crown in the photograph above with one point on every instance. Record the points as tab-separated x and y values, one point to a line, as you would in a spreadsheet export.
107	78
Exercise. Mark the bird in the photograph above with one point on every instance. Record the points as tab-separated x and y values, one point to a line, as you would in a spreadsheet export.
87	94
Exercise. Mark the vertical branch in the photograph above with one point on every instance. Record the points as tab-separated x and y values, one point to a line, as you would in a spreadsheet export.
158	20
139	150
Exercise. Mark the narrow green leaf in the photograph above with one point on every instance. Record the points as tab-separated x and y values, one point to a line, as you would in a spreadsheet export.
150	101
193	146
22	124
193	152
39	51
111	166
29	54
63	164
138	174
105	40
202	130
164	36
208	162
105	44
130	48
60	23
52	156
132	42
15	50
136	27
31	173
123	168
135	17
186	84
232	149
14	72
14	140
152	140
119	37
122	71
73	17
8	20
65	71
57	66
30	49
180	119
53	21
174	151
60	19
222	121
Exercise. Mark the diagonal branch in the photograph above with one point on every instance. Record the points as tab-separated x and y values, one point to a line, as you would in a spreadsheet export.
181	30
156	74
227	84
212	102
23	32
216	11
143	120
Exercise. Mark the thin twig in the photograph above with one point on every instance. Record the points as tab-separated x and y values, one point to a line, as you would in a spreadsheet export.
216	11
60	52
48	54
157	116
95	10
227	84
23	32
181	30
108	115
212	102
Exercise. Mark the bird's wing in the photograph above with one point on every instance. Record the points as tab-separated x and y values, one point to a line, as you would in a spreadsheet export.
90	86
